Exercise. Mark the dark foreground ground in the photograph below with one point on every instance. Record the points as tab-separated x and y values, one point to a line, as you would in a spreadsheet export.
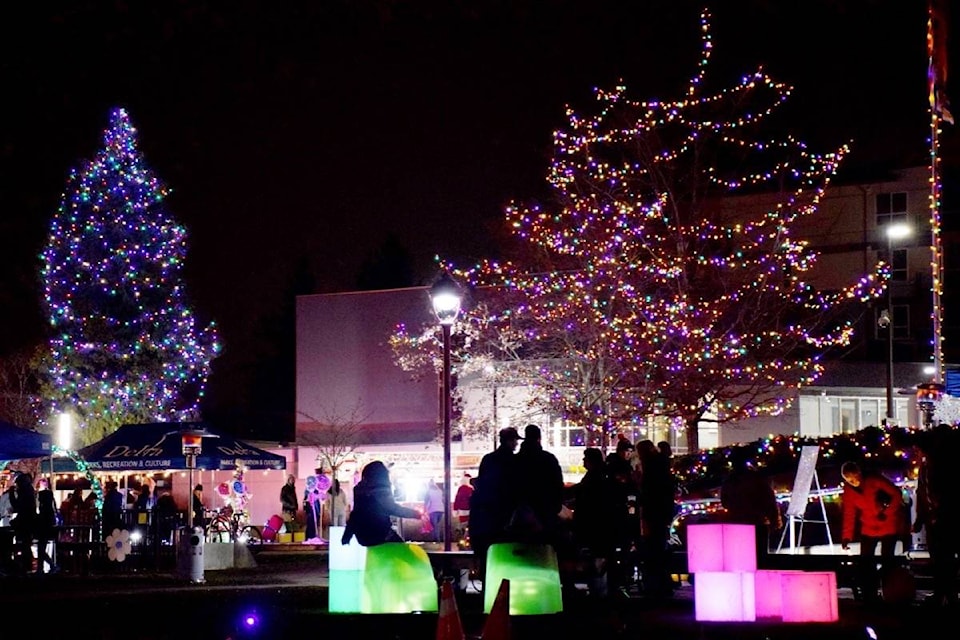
285	596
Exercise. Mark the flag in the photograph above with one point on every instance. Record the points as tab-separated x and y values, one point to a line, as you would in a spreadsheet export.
937	59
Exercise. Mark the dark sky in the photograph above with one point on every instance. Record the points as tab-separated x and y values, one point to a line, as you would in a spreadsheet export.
316	129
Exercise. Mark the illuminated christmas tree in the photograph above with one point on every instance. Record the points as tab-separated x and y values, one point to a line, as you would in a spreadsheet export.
124	345
645	290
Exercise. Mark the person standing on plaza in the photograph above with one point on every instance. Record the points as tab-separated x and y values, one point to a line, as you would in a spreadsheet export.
46	526
595	513
872	503
199	515
938	509
748	498
461	502
373	506
112	508
288	502
494	496
338	504
433	507
24	503
657	508
540	489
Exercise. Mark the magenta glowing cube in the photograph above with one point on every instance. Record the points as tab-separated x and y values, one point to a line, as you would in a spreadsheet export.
809	596
721	547
769	592
724	596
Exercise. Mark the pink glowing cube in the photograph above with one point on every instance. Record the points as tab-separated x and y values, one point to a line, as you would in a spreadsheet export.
769	593
809	596
724	596
721	547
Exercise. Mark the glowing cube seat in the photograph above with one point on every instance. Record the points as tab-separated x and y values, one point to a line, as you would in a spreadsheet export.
534	576
722	596
347	563
721	547
769	592
809	596
398	578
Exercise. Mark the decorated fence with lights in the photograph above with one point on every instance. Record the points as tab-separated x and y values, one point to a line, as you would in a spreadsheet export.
729	587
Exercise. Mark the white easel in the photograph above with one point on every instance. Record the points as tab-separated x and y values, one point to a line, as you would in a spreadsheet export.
797	508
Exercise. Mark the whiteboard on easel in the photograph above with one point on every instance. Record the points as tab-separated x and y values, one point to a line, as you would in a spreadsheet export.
803	481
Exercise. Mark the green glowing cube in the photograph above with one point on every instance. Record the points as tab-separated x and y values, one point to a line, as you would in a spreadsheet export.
533	574
398	579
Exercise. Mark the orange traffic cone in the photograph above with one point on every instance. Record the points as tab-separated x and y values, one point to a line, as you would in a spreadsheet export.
448	623
497	626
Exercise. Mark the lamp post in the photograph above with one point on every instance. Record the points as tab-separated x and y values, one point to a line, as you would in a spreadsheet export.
445	296
893	231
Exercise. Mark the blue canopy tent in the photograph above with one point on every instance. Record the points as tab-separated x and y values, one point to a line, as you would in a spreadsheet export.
157	446
17	443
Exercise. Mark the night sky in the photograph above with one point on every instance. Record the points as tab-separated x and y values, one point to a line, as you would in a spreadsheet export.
304	137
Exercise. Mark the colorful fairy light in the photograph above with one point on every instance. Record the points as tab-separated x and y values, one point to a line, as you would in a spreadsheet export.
639	295
124	345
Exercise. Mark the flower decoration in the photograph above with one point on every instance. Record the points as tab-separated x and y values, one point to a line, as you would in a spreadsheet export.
118	545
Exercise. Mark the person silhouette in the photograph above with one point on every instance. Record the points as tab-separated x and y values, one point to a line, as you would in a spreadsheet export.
373	505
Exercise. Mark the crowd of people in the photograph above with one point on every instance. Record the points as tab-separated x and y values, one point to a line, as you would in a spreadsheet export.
615	521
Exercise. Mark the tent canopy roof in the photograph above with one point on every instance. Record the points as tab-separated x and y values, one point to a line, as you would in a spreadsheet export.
17	443
157	446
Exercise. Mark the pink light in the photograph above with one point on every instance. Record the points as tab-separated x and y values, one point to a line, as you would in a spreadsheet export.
809	596
721	547
721	596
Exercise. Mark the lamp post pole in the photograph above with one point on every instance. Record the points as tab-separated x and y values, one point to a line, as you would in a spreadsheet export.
891	413
447	513
893	231
445	296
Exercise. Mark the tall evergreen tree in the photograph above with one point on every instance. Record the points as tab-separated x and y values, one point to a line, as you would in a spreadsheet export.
124	345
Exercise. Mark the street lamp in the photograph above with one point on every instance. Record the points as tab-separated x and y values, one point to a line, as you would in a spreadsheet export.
893	231
445	296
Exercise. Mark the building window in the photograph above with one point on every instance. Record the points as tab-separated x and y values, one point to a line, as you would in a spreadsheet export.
848	416
898	265
891	208
901	321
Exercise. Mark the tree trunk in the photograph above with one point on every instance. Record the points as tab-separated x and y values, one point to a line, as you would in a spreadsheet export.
693	434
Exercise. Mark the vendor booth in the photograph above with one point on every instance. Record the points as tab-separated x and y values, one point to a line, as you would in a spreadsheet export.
156	455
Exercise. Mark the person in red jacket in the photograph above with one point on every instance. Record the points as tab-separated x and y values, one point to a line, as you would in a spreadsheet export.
873	507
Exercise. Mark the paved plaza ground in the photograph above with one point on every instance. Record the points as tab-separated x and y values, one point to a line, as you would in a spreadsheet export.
286	593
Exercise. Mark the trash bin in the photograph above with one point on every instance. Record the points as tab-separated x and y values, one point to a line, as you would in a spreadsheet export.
190	554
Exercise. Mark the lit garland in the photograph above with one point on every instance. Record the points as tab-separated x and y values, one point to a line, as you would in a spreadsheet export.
640	296
124	343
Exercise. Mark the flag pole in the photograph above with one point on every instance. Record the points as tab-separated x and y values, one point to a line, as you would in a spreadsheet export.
936	80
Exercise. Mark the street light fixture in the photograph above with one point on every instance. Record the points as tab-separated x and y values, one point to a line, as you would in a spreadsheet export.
445	296
893	231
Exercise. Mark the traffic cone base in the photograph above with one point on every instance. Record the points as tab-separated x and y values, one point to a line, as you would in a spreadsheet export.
449	626
497	626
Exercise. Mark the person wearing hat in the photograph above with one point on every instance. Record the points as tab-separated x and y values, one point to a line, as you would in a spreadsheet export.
494	496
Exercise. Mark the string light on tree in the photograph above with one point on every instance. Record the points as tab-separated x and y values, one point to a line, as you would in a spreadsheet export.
125	345
642	294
